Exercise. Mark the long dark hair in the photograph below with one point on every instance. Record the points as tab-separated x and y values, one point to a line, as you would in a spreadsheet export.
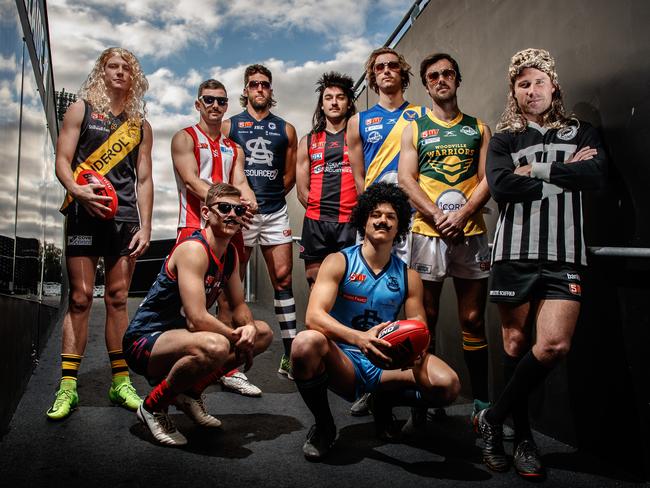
328	80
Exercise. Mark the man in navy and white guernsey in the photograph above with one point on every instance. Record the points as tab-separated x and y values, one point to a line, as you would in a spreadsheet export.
174	341
538	164
374	135
270	145
324	177
358	291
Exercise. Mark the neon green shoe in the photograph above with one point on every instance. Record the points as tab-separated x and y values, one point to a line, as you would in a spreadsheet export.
285	367
123	393
65	400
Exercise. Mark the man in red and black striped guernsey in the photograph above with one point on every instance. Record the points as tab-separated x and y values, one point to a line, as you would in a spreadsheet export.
324	177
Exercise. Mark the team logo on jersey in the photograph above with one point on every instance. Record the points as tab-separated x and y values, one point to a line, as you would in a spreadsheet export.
360	277
373	120
259	152
333	145
368	320
468	131
393	284
374	137
203	145
391	121
410	114
451	201
567	133
272	125
451	168
575	289
428	133
245	125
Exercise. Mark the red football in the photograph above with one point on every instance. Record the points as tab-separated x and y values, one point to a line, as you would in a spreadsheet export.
409	339
88	176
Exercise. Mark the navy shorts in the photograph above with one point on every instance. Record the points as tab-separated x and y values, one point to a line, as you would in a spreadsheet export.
524	281
137	351
89	236
320	238
367	375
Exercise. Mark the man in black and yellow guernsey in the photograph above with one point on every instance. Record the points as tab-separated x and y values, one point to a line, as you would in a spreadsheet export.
442	168
105	131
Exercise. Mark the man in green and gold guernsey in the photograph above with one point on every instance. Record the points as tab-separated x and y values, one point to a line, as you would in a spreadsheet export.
442	168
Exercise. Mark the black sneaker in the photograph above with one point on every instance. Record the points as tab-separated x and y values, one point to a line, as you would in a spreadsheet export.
319	442
527	461
416	425
382	413
494	455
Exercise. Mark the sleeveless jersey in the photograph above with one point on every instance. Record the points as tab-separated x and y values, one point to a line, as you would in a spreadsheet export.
448	158
215	160
381	135
332	194
366	299
162	308
265	144
95	130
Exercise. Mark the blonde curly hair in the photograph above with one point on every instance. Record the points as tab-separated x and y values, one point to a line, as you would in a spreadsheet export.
93	90
512	120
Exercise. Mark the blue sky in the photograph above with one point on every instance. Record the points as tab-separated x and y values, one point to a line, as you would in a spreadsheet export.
182	42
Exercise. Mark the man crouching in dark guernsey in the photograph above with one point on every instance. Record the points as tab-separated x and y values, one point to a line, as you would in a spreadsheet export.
358	291
174	341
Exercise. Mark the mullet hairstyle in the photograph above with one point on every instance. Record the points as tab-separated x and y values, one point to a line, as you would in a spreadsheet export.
404	71
433	59
376	194
329	80
94	90
250	71
220	190
210	84
512	119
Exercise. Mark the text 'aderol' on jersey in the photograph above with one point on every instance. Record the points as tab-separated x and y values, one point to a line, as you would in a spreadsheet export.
265	145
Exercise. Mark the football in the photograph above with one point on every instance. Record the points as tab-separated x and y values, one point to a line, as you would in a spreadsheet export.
409	340
88	176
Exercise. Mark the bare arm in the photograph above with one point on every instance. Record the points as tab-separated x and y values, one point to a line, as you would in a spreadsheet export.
413	306
186	166
143	168
65	148
302	172
240	182
289	178
226	125
355	153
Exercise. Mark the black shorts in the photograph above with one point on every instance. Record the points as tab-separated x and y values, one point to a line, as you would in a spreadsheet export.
319	238
137	351
89	236
524	281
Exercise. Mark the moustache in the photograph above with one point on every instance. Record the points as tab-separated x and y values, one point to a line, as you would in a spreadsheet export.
232	220
381	226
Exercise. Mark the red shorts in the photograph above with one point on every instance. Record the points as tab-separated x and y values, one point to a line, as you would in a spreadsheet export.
237	240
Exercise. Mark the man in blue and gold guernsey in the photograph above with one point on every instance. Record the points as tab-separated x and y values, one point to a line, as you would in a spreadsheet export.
442	168
357	292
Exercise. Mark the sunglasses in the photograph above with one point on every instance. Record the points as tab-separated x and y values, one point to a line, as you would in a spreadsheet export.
224	208
209	100
391	65
253	84
447	74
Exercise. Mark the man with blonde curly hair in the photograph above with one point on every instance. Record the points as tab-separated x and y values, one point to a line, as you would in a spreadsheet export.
105	130
538	164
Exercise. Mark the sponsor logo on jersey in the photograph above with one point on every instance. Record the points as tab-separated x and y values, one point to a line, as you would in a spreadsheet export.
468	131
449	133
422	268
355	298
430	140
374	137
259	127
431	132
575	288
259	152
572	276
318	169
271	174
374	127
272	125
244	125
316	156
410	114
373	120
203	145
226	150
333	145
360	277
502	293
97	116
451	201
484	265
333	167
316	145
80	240
567	133
100	128
286	232
393	284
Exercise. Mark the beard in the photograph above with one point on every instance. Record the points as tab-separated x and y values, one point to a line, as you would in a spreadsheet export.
259	105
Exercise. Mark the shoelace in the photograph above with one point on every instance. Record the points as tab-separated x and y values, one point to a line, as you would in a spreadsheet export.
130	389
61	397
201	405
165	422
527	452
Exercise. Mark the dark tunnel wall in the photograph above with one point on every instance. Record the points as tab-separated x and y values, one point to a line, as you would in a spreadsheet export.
598	399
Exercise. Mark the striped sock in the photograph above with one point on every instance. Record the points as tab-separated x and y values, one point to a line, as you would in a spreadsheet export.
475	351
118	364
285	311
70	366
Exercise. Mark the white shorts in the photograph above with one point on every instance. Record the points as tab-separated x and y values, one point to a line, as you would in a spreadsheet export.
401	250
435	259
268	229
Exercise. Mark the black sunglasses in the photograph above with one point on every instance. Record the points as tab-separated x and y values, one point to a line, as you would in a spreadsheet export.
391	65
209	100
447	74
253	84
224	208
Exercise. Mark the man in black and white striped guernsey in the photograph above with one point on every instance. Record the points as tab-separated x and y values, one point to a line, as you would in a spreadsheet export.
538	164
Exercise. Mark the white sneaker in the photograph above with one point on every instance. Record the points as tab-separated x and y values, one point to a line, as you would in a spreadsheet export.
162	427
195	409
239	383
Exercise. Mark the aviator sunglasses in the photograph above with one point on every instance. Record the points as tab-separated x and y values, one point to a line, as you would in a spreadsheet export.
253	84
391	65
447	74
224	208
209	100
